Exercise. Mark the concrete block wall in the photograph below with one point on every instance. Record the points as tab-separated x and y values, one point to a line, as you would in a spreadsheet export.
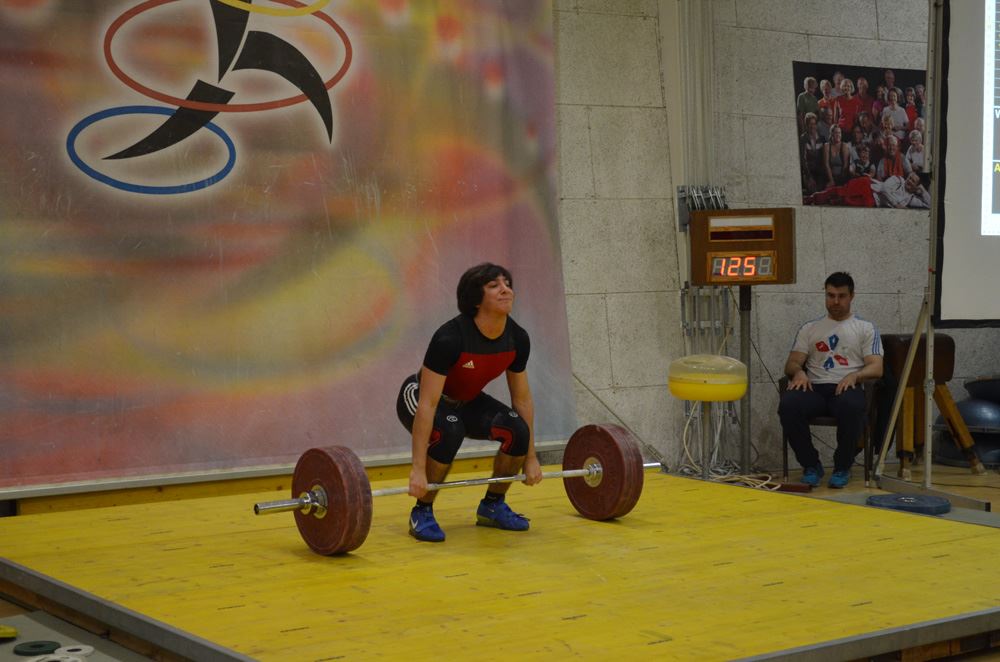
616	212
616	98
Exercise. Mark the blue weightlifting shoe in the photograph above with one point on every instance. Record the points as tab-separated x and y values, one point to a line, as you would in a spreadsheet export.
499	515
811	475
423	526
839	479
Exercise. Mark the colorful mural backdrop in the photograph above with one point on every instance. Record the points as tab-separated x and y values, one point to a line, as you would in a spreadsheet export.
229	228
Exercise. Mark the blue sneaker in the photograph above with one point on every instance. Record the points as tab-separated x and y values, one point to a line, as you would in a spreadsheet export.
423	526
811	475
840	478
498	514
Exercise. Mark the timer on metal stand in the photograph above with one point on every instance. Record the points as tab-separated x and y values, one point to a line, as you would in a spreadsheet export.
743	247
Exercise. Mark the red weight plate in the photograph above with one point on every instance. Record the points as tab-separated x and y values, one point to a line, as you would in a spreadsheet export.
348	517
620	457
633	472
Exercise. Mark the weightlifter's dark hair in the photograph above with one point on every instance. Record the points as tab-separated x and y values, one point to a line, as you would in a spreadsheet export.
470	285
840	279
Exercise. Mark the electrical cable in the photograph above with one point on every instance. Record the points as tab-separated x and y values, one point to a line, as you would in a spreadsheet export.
726	471
648	448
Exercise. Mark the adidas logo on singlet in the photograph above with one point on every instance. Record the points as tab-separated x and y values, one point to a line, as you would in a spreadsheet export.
470	365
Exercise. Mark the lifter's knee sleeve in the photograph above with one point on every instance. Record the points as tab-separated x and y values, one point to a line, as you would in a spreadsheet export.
512	432
446	437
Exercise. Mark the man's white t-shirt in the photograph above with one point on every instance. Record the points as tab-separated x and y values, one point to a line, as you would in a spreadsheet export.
835	349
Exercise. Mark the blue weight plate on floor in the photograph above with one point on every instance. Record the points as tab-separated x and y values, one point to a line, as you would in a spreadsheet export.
924	504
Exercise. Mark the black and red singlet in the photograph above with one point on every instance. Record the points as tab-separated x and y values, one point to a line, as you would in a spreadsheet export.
470	360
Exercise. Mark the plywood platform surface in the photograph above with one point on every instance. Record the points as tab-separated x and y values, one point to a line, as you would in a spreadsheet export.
696	571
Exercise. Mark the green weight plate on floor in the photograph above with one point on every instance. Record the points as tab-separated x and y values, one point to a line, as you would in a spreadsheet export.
30	648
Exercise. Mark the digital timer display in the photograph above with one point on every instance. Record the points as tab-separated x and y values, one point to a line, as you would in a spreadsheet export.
742	246
744	266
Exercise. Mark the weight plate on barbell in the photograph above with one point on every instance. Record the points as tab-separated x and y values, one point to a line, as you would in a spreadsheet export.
348	517
620	457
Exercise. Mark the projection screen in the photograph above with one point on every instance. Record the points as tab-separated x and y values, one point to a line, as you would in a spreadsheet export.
968	233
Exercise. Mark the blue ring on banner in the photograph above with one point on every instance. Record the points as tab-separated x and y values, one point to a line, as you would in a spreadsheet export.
142	188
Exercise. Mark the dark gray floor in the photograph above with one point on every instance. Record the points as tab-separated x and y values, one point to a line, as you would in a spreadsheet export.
39	626
967	515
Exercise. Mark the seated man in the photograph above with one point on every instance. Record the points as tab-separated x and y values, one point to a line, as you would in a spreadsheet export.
830	357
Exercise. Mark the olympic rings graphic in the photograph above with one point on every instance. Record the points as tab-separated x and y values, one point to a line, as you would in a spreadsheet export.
301	78
274	11
142	188
220	107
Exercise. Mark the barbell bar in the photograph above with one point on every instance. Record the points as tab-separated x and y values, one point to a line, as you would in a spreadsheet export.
602	474
318	498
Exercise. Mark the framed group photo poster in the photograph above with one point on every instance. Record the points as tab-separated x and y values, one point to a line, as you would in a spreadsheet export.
862	136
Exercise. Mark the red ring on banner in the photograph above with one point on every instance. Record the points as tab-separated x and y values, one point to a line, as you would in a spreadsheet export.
204	105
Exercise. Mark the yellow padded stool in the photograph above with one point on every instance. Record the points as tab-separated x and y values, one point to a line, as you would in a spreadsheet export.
707	378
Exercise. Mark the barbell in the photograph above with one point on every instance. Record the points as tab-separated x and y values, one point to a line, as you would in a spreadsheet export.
602	474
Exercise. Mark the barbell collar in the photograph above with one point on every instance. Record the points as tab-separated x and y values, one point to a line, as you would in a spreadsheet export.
314	499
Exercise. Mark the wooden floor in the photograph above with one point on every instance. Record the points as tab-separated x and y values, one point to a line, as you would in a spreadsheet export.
697	571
